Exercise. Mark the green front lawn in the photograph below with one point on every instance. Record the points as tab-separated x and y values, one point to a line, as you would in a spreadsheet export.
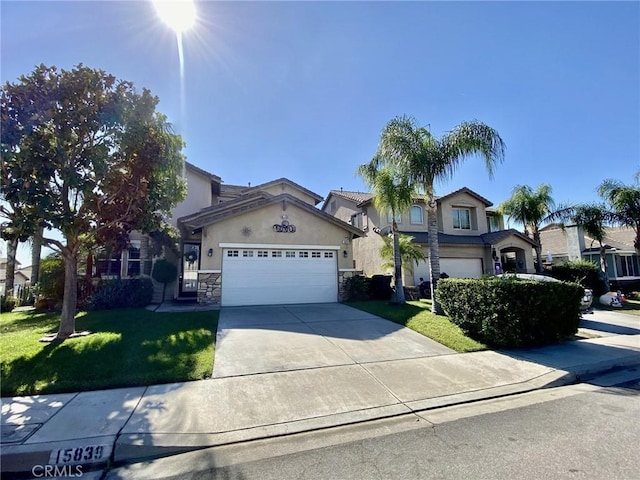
631	307
417	316
130	347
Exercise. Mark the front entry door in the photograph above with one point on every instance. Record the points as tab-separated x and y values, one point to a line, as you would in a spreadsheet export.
189	273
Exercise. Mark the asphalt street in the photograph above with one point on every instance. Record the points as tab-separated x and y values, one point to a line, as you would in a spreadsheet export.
588	430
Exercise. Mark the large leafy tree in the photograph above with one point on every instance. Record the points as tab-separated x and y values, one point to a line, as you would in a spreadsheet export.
393	194
424	159
531	208
625	202
86	154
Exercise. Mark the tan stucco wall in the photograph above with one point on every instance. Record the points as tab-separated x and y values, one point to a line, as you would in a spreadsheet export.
343	208
478	214
291	190
310	230
198	195
516	242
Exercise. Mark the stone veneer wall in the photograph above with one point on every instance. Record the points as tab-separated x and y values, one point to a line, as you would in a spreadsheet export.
209	287
342	284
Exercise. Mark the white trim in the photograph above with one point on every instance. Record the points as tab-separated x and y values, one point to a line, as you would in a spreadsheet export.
348	270
279	246
209	271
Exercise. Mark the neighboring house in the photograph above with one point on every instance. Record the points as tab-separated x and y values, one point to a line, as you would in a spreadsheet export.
571	243
244	245
471	237
21	277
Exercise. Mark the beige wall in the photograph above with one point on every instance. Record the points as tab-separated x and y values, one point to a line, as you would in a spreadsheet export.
515	242
198	195
283	187
310	230
464	200
343	208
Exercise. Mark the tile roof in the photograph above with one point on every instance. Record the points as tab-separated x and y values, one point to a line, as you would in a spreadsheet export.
554	239
360	197
357	197
469	192
484	239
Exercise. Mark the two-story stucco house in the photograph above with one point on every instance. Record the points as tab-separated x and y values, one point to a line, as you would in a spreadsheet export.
259	245
571	243
471	235
250	245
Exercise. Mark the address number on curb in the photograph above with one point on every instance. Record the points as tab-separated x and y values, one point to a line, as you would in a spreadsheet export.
78	455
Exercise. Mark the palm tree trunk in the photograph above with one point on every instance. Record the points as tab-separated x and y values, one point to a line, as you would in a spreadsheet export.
434	249
538	249
36	253
12	248
399	298
603	266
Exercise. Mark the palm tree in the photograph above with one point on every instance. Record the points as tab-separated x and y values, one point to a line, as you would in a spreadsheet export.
393	194
424	159
625	202
410	252
593	218
531	209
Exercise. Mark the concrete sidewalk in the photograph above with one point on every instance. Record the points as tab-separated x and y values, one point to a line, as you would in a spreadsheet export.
125	425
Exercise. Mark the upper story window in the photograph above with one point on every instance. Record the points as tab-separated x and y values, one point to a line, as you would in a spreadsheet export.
461	218
416	215
390	218
493	223
356	220
332	206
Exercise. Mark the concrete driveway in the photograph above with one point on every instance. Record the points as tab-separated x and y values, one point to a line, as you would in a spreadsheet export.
605	323
252	340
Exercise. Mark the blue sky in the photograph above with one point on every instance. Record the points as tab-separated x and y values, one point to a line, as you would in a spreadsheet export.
303	89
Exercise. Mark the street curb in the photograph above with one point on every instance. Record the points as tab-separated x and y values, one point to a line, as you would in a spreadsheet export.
132	448
22	459
19	459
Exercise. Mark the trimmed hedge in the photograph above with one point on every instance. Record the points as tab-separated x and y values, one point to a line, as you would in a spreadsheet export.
121	293
585	273
357	288
509	313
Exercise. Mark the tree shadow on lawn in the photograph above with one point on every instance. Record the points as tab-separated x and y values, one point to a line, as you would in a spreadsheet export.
129	348
400	314
33	319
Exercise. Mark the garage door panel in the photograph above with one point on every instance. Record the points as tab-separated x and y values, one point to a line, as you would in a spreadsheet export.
461	267
249	279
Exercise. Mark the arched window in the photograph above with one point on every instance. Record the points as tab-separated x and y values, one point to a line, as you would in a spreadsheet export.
416	215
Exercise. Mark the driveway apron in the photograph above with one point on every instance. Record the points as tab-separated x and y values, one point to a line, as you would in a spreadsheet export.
268	339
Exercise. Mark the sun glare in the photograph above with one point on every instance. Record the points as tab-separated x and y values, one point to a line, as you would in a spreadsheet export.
179	15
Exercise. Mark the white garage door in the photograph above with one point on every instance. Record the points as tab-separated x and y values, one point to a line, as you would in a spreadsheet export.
270	277
462	267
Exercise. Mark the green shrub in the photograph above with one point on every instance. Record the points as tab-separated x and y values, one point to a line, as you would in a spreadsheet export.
51	280
7	303
357	288
586	273
509	313
110	294
381	287
164	272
